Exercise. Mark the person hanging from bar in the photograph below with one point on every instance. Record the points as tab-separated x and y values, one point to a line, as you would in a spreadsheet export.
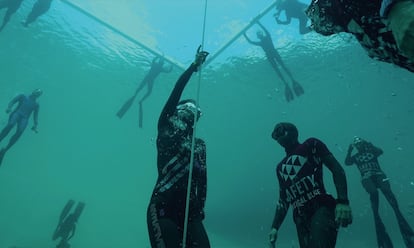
157	67
273	56
293	9
167	207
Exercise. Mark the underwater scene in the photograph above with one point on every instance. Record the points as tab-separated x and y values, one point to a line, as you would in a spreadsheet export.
85	128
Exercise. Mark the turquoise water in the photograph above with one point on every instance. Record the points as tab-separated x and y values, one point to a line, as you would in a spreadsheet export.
83	152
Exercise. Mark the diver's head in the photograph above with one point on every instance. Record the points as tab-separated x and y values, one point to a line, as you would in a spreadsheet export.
286	134
259	34
187	111
359	143
37	92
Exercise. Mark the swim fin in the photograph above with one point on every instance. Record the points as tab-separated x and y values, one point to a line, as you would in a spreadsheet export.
297	88
140	115
2	153
126	106
288	93
66	210
78	211
383	239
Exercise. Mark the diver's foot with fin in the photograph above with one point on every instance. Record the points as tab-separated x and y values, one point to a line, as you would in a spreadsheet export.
406	231
383	239
297	88
140	115
288	93
2	153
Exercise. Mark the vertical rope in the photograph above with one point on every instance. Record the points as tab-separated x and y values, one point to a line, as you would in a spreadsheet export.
190	171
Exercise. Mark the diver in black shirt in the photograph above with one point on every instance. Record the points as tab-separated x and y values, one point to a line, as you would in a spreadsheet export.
316	213
373	178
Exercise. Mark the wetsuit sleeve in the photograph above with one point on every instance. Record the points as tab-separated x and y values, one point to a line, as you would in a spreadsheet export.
174	98
250	41
264	29
167	69
377	151
35	115
18	98
281	208
338	174
202	187
349	160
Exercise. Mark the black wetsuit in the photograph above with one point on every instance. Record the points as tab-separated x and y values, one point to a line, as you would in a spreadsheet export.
373	178
39	8
293	9
274	58
12	6
157	67
20	117
166	210
363	20
301	186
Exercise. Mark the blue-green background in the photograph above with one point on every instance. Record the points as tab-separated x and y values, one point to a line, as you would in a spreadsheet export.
83	152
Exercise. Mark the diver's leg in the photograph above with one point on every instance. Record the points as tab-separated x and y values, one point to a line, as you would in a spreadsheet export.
163	232
150	85
383	239
288	91
323	228
5	131
197	235
302	230
21	126
39	8
405	229
303	25
297	88
13	118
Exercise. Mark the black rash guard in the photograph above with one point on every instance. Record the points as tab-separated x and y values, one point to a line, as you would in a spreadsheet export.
301	180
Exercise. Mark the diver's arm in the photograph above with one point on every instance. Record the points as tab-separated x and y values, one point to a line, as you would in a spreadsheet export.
376	150
18	98
250	41
349	160
339	177
35	118
280	214
264	29
288	20
167	69
171	104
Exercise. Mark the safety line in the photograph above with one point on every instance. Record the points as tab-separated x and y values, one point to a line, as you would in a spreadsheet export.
190	171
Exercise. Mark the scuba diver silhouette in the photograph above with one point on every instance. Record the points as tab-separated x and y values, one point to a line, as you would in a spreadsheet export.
266	43
67	223
19	117
157	67
374	179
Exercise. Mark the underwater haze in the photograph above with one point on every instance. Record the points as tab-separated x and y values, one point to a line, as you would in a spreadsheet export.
85	153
